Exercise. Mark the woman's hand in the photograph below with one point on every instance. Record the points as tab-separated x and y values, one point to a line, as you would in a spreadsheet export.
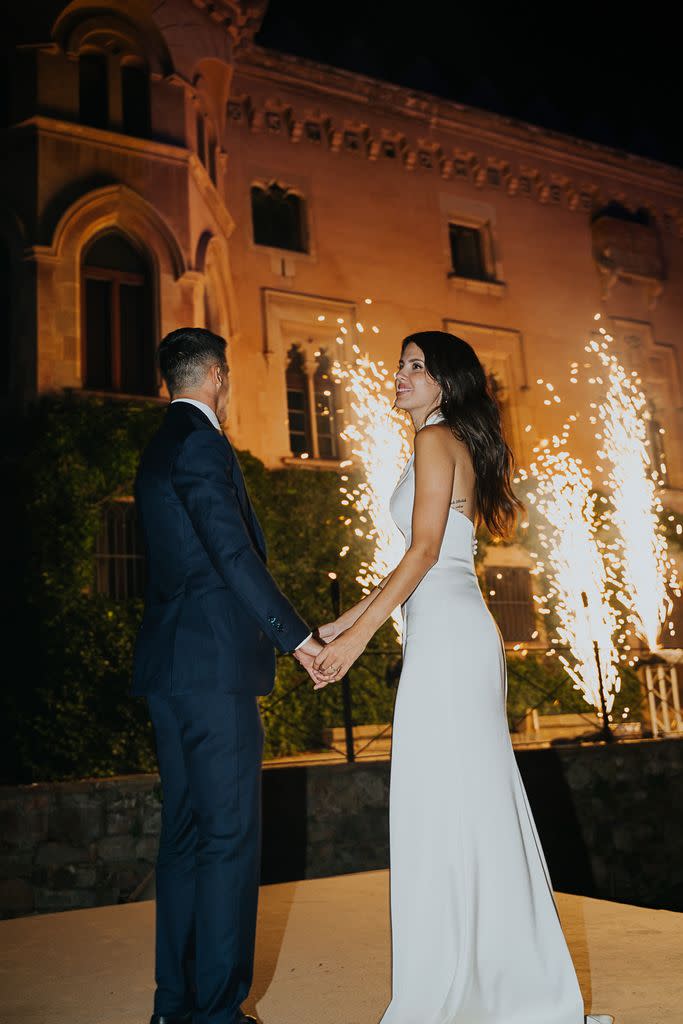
335	660
331	630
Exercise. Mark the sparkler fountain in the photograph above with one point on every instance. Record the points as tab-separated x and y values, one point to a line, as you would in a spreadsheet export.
634	482
635	568
575	575
381	445
585	572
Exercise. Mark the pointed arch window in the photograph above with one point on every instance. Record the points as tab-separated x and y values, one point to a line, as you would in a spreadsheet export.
279	218
118	350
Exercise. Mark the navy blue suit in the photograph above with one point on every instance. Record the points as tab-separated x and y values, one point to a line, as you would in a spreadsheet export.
204	652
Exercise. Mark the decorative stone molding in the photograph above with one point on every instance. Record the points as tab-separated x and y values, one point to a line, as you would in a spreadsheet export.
496	289
482	168
110	207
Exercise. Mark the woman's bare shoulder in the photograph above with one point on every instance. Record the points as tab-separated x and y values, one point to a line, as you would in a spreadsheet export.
440	437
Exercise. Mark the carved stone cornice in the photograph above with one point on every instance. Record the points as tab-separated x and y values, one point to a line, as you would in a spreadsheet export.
465	156
242	18
456	118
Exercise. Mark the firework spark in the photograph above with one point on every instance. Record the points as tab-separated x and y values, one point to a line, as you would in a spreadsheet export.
574	569
646	570
381	445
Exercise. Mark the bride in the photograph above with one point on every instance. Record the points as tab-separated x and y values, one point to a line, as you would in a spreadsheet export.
476	938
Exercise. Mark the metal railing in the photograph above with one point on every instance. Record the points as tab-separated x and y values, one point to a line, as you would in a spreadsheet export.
352	751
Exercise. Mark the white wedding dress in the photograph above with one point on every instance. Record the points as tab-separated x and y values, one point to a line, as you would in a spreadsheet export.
476	938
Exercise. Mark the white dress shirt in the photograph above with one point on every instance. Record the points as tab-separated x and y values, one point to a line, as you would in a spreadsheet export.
203	407
213	419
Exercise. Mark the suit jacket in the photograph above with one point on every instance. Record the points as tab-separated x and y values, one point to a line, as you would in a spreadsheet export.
212	610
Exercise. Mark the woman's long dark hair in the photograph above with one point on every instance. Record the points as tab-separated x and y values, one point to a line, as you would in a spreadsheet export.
471	411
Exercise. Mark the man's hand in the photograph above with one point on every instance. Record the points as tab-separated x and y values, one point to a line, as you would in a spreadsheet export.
306	655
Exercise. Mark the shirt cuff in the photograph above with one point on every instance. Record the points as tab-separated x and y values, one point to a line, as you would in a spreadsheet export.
303	642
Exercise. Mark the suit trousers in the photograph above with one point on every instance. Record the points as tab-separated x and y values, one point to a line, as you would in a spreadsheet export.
209	750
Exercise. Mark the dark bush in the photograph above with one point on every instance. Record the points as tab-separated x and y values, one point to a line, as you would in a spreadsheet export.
65	706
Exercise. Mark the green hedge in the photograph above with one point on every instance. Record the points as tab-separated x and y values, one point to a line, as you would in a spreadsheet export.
65	707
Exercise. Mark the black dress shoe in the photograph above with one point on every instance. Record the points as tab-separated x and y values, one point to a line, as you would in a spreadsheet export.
246	1019
163	1019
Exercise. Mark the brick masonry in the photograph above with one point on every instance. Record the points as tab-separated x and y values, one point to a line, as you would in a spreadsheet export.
610	820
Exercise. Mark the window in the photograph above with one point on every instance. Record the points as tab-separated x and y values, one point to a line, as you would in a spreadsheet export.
278	217
467	252
135	100
93	90
325	412
500	394
312	401
119	553
671	636
509	597
655	435
118	350
298	409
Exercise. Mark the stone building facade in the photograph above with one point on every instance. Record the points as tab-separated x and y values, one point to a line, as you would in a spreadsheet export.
166	171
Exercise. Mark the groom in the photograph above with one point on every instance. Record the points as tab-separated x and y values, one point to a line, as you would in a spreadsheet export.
204	653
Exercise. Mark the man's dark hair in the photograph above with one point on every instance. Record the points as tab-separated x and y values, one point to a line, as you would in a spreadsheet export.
185	356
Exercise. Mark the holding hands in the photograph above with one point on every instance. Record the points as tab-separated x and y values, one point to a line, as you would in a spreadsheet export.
306	655
327	662
343	646
338	655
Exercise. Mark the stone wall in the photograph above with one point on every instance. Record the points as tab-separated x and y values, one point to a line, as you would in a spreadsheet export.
76	844
610	820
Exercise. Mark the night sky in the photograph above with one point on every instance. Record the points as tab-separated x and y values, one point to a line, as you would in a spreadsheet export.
595	74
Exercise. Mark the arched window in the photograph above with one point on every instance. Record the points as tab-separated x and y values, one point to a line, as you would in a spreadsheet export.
135	100
279	218
118	331
93	90
298	404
